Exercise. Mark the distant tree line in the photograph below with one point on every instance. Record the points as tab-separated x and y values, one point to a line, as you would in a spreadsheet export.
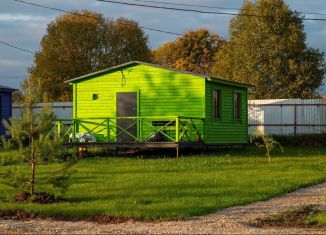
269	52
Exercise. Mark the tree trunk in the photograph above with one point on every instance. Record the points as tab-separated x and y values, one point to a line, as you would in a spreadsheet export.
33	160
33	177
31	137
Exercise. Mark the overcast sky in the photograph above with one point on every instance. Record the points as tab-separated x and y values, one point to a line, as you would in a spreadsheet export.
24	26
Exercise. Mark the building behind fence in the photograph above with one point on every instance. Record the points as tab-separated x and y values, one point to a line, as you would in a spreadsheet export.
287	116
62	110
278	116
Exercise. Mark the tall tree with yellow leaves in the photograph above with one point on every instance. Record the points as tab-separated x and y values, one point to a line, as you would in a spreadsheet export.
194	51
267	48
83	42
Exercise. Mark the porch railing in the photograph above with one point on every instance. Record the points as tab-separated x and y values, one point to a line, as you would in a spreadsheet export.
131	129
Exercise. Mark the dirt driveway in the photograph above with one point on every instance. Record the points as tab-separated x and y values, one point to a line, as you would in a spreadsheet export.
234	220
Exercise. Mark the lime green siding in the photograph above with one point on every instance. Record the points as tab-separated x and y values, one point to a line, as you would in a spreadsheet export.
226	130
161	92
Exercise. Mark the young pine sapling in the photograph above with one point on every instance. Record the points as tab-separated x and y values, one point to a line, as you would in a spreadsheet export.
37	142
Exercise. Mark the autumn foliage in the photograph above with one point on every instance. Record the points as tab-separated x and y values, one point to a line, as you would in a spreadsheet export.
270	52
79	43
194	51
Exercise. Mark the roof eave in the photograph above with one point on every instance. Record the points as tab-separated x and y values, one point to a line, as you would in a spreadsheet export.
100	72
209	78
8	89
227	82
127	64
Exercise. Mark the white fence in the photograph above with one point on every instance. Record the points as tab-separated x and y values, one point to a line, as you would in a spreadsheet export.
281	116
287	116
62	110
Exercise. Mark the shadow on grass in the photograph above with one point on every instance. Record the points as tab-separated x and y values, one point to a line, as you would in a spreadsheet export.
222	152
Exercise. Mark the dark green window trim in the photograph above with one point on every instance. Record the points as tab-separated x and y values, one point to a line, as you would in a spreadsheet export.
217	104
237	106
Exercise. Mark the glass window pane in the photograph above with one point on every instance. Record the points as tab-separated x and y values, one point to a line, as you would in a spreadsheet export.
217	104
237	106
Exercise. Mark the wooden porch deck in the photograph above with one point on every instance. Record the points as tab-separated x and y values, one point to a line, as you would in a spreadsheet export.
139	145
154	132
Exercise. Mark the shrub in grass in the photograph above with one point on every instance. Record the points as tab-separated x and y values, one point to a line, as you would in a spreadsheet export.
319	219
266	142
306	216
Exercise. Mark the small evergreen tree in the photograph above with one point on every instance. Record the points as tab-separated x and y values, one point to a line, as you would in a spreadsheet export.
36	142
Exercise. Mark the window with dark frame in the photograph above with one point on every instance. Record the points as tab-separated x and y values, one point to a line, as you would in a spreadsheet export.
237	107
95	96
217	104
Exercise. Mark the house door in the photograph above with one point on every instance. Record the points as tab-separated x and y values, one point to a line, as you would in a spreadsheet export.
126	107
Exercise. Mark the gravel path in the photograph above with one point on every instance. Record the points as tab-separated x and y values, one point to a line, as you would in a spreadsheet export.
234	220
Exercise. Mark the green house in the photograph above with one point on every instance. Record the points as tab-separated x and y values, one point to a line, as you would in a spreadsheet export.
143	103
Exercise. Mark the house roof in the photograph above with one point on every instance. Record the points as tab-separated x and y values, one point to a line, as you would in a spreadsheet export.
209	78
4	88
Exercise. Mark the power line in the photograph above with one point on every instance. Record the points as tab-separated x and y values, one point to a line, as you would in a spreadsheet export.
313	13
199	11
211	7
16	47
88	16
188	5
168	8
150	6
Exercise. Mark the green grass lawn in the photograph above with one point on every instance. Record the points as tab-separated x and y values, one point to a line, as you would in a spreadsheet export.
319	219
176	188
